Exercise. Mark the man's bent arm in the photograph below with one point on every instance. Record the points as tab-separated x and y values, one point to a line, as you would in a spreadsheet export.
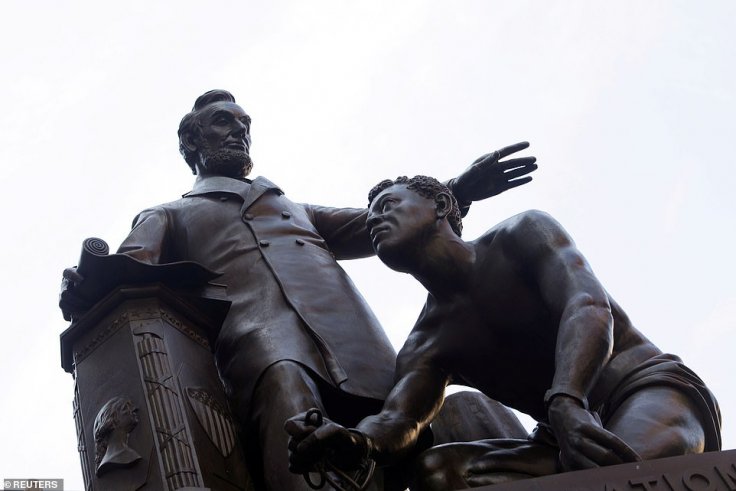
412	404
572	292
584	340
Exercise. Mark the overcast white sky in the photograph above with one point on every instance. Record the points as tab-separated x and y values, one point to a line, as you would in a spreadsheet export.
629	107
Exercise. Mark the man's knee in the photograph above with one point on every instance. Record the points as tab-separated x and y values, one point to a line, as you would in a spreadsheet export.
659	422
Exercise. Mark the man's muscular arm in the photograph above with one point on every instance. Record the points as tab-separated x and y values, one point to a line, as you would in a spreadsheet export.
584	339
385	437
412	404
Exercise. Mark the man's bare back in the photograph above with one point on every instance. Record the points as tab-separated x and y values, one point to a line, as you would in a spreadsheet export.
523	337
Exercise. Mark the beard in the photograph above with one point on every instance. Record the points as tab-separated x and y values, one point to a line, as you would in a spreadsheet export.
227	162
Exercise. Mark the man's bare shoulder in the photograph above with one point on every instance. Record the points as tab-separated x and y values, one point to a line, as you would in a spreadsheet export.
528	225
421	341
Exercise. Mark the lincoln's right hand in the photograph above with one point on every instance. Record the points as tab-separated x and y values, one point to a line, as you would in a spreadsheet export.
69	302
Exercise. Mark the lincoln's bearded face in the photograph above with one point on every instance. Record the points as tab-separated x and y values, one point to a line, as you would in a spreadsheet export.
227	162
223	142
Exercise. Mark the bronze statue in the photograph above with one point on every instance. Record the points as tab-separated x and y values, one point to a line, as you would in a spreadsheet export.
519	315
298	334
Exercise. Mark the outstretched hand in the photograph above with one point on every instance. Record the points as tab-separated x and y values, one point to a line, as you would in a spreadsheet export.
583	442
489	176
310	443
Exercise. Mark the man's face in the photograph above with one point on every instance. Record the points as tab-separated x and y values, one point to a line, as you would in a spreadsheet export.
224	142
128	416
400	222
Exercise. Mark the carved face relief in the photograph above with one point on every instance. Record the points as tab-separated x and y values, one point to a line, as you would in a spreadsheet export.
129	416
113	424
400	221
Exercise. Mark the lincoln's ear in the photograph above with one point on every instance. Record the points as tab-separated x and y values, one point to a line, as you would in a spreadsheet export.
189	141
443	203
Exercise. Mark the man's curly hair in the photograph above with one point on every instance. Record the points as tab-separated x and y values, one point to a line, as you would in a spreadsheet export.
425	186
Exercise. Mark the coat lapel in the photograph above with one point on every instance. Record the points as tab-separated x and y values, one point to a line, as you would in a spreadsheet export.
259	186
249	192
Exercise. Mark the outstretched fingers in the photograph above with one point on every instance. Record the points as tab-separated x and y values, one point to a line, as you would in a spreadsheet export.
509	168
526	164
516	147
517	182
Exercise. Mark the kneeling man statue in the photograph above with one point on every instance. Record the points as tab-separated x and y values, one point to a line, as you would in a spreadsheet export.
519	315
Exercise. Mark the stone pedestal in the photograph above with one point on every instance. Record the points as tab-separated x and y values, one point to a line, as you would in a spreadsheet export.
148	404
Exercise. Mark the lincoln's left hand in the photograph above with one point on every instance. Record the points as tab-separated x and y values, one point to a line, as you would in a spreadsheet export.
489	176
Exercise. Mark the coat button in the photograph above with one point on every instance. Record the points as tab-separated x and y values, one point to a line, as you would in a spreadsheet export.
223	198
248	216
300	242
285	214
264	243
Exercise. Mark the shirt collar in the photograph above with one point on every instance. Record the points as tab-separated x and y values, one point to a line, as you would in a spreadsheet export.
222	184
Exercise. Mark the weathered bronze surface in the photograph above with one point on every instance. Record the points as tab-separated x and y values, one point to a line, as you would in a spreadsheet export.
519	315
298	334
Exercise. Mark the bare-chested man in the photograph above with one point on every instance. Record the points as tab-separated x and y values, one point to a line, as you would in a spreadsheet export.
519	315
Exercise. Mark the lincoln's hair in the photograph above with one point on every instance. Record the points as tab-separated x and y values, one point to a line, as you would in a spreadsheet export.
425	186
190	124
